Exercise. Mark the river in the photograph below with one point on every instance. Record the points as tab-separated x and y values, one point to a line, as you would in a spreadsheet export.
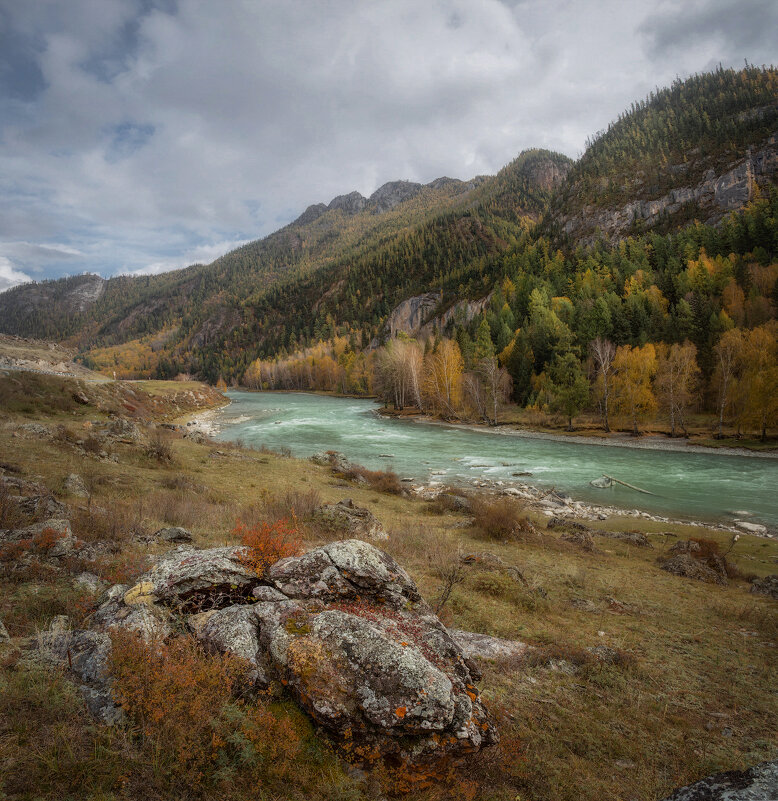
695	486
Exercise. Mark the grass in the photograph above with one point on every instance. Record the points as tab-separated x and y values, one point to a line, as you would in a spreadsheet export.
699	659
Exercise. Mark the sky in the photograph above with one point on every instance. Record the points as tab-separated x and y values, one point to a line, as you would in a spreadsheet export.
138	136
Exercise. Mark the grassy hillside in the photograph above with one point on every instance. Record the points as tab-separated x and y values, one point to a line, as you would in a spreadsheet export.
686	694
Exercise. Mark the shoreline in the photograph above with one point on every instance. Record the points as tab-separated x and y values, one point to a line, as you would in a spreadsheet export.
561	505
650	442
654	442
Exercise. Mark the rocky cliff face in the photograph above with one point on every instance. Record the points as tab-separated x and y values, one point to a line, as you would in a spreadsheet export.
549	174
710	199
412	316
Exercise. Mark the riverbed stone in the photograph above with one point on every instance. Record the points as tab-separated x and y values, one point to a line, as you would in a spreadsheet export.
751	528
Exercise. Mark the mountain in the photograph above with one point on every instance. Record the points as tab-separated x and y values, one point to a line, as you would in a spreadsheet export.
186	311
695	150
619	227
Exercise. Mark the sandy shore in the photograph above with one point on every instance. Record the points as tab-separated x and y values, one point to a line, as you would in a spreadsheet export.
204	422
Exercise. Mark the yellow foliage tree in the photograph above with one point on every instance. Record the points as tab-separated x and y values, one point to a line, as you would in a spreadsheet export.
633	370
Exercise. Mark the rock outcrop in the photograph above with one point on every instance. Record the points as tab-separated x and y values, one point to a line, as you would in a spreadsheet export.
759	783
342	628
714	196
345	516
413	316
766	586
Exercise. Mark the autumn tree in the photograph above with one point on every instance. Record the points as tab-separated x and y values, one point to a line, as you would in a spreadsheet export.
677	376
633	370
399	372
729	355
443	369
760	377
603	352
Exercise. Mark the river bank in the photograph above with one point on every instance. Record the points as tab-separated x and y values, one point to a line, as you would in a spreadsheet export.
689	486
616	440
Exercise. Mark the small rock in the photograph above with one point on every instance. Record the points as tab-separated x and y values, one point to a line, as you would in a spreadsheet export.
354	520
90	582
687	566
759	783
483	646
74	485
4	636
585	605
609	656
59	624
174	534
582	538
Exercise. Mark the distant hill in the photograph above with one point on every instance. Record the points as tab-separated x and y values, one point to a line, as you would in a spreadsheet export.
193	307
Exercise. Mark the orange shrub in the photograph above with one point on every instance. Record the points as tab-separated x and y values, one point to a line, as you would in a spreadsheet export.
181	700
266	543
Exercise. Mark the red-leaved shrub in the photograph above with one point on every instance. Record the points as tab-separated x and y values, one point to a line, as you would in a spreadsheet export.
266	543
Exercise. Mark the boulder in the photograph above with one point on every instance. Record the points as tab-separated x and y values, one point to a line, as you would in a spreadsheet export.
195	580
120	428
683	564
759	783
342	628
751	528
581	538
637	538
52	539
35	430
766	586
4	636
347	517
174	534
483	646
74	485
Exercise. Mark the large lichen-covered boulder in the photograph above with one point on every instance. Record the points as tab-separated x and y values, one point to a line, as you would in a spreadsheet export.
759	783
342	629
195	580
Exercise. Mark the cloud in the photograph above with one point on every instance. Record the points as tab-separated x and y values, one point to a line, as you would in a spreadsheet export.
9	276
202	254
139	133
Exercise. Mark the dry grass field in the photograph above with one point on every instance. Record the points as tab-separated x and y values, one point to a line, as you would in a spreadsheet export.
687	688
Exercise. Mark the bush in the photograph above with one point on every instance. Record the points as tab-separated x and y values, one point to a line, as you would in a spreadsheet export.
379	480
500	518
266	543
159	447
10	514
182	701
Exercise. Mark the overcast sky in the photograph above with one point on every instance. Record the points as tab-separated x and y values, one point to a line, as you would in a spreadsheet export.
144	135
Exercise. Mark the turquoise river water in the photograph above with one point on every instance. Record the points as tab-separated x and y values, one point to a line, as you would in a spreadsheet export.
691	485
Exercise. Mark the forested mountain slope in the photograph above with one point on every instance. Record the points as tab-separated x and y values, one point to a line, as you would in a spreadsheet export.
664	231
190	308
